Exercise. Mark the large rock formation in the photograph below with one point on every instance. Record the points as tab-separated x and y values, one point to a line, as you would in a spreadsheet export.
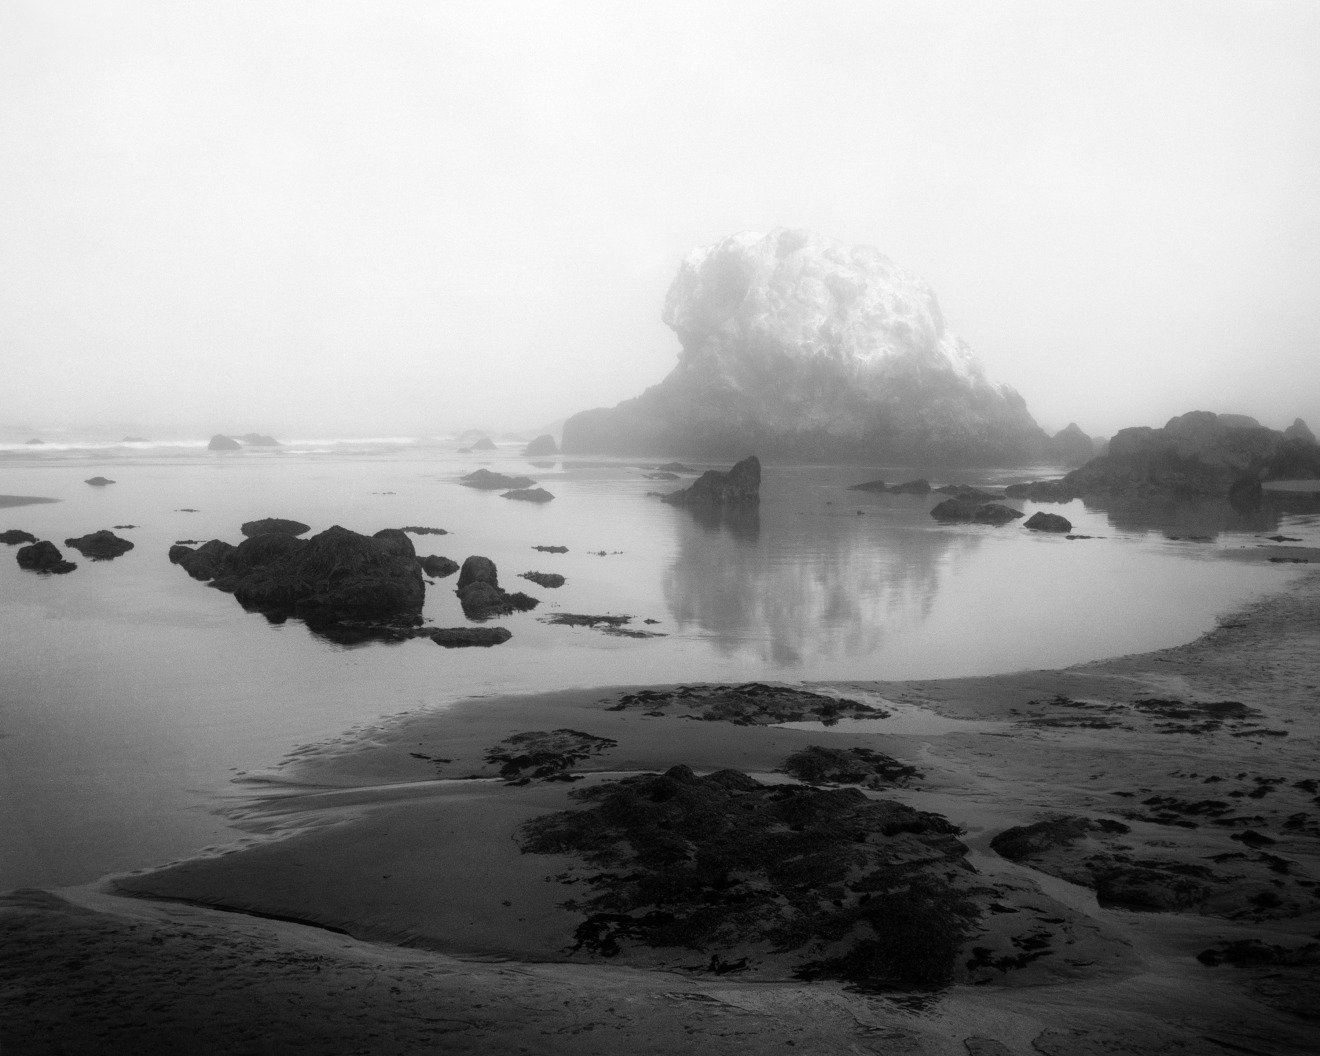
1198	453
741	485
798	346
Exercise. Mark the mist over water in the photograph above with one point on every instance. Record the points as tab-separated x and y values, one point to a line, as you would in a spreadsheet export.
133	695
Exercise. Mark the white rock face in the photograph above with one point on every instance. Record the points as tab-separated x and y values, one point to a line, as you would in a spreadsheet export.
798	292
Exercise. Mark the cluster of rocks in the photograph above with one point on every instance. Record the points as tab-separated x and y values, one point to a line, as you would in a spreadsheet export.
518	488
45	557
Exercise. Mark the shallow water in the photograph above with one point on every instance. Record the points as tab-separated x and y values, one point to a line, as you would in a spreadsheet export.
131	695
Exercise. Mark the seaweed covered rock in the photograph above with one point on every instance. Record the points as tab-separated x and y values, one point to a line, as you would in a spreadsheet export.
974	510
739	485
277	525
748	704
1047	522
44	557
865	890
336	576
100	546
817	765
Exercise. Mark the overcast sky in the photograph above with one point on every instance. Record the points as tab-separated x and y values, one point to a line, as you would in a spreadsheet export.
398	217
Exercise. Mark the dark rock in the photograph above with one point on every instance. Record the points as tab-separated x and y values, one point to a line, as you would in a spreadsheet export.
870	485
974	510
398	543
220	442
542	445
848	766
749	704
259	440
912	487
485	480
457	637
14	536
1297	458
417	530
740	485
1047	522
799	346
482	601
276	525
98	482
541	755
544	579
206	561
551	549
478	569
484	444
528	495
437	567
100	546
44	557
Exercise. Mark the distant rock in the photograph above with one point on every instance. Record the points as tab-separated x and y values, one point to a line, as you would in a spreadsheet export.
100	546
135	440
14	536
870	485
33	442
484	444
544	579
458	637
1071	447
912	487
529	495
276	525
1299	430
801	346
661	474
969	491
741	485
437	567
542	445
1047	522
551	549
43	557
974	510
419	530
485	480
220	442
259	440
1198	453
98	482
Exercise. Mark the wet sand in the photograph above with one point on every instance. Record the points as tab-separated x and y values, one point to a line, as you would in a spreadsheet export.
411	919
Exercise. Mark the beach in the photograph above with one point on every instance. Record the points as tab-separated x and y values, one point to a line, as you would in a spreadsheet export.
381	899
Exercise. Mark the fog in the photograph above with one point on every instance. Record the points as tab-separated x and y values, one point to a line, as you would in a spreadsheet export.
313	218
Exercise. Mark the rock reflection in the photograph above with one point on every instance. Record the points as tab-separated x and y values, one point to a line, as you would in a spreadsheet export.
797	585
1195	517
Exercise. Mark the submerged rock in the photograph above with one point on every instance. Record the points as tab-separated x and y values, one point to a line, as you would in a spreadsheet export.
459	637
100	546
44	557
739	485
277	525
486	480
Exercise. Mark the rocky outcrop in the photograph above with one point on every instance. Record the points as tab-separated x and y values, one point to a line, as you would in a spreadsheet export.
1299	430
480	595
336	577
437	567
528	495
741	486
1047	522
542	445
803	347
274	525
14	536
1071	447
98	482
486	480
100	546
219	442
1198	453
44	557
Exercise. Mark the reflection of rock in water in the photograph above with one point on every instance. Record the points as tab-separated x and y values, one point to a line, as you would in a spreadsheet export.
1195	517
797	585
